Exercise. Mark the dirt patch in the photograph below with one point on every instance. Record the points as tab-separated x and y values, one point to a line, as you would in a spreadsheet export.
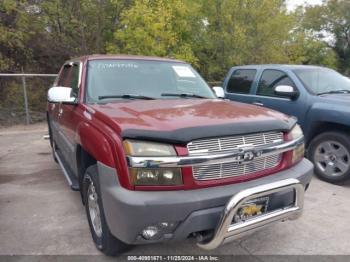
44	176
44	153
23	129
5	179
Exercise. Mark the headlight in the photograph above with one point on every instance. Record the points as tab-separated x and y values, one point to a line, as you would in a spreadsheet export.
152	176
295	133
299	151
156	176
144	148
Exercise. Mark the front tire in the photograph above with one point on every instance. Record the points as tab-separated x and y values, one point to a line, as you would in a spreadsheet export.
330	153
100	232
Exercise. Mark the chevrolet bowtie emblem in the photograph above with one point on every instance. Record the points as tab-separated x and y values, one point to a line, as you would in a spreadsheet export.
247	155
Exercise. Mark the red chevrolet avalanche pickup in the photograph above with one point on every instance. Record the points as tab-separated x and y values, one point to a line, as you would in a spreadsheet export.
157	156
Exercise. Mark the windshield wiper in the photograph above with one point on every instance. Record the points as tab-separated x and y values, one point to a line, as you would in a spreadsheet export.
126	96
340	91
183	95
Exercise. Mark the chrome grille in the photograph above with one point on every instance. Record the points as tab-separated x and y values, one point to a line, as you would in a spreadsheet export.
232	169
215	145
225	170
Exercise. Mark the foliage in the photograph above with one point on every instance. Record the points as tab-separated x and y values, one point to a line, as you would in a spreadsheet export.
13	36
303	49
242	32
331	23
214	35
156	28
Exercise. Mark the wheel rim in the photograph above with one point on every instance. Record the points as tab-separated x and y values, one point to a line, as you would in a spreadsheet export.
332	158
94	210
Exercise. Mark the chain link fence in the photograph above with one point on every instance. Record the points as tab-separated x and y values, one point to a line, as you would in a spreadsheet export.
23	98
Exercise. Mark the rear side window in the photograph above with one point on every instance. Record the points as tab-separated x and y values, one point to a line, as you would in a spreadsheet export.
241	81
270	79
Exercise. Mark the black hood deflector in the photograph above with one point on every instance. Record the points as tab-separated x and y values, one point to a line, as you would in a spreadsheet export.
182	136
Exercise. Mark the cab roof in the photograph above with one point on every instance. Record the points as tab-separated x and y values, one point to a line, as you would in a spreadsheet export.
280	66
125	57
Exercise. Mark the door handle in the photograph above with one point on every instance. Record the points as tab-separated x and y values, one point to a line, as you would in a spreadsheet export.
258	103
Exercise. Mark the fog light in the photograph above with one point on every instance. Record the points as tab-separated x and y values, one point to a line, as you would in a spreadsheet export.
168	227
151	233
156	231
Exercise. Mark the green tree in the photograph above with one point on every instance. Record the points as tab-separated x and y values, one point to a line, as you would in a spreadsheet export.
158	28
75	28
330	22
242	32
38	36
14	34
306	50
304	47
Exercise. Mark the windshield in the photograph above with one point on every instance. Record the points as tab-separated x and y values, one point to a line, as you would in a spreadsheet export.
323	80
139	79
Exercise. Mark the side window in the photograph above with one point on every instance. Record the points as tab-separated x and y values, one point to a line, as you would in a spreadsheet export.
74	79
241	81
270	79
69	77
62	80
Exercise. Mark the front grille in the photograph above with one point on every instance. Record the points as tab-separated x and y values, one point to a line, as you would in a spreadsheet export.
225	144
226	170
215	145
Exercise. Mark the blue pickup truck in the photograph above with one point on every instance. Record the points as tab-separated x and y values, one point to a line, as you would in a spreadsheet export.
319	97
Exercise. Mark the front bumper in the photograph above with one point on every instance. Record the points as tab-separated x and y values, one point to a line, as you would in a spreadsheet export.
209	209
226	231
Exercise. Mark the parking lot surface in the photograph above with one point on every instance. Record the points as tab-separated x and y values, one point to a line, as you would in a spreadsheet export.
39	214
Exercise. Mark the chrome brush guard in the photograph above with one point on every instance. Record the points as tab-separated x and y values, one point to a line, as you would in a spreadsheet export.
226	231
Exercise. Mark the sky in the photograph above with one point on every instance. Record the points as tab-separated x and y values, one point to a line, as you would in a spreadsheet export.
291	4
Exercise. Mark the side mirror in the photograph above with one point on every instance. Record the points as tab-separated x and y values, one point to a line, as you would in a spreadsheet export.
60	94
219	91
286	91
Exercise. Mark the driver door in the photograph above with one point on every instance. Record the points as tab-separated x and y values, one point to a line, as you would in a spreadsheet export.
265	95
69	119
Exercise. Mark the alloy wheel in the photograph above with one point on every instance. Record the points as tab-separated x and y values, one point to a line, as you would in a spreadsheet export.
332	158
94	209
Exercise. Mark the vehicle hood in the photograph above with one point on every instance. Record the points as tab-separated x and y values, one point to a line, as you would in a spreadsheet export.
183	120
339	99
